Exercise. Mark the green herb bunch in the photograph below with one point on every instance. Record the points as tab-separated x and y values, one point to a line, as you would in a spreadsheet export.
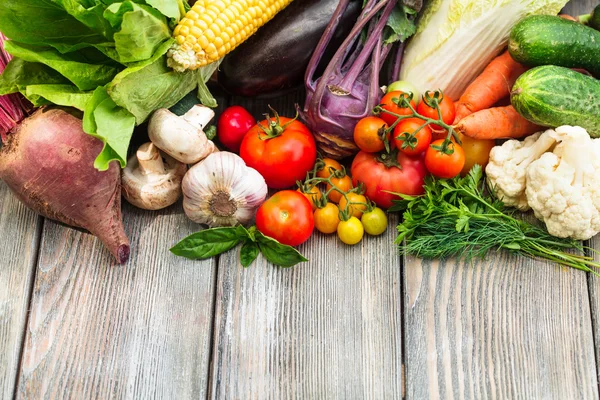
459	217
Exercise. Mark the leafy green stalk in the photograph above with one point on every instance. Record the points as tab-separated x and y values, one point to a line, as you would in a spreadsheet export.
458	218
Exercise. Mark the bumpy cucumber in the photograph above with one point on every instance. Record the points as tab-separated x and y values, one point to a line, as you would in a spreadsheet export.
554	96
551	40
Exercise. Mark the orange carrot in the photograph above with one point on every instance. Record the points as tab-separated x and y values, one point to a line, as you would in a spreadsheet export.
496	123
494	83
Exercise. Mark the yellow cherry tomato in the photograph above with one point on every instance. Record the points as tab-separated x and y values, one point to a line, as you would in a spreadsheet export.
313	196
375	222
327	218
326	172
343	184
351	231
356	210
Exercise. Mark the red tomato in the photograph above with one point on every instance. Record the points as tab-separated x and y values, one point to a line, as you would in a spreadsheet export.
388	104
283	156
422	137
444	165
233	125
367	134
446	107
379	178
286	217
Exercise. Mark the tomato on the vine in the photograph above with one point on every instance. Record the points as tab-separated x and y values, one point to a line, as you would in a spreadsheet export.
344	184
355	210
327	218
405	87
446	106
388	104
374	221
286	217
419	142
382	176
351	231
444	165
233	124
313	195
369	133
281	149
329	165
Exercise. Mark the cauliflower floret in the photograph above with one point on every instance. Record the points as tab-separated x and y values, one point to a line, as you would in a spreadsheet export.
508	165
563	187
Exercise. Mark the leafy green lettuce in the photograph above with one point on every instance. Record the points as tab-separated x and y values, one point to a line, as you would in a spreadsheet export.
104	57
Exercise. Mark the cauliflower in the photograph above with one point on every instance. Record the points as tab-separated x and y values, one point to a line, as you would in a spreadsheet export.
508	164
563	187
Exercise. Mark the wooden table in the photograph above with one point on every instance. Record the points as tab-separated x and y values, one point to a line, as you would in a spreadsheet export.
355	322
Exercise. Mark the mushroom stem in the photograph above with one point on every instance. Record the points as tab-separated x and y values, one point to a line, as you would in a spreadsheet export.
199	116
150	160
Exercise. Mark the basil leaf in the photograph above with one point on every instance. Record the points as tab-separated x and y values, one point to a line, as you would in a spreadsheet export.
207	243
277	253
248	253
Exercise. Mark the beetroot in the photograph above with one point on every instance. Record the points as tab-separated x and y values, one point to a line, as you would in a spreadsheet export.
48	163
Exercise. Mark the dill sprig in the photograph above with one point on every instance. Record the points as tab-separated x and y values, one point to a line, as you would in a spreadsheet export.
459	218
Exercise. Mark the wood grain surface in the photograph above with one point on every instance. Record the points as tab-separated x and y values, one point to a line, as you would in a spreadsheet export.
329	328
594	288
20	229
99	330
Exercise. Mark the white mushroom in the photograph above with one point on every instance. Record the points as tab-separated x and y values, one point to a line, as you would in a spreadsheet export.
152	180
182	138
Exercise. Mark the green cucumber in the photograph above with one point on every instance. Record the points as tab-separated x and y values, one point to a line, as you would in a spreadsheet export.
554	96
551	40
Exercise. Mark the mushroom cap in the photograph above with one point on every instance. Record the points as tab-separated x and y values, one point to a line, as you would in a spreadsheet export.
156	189
176	136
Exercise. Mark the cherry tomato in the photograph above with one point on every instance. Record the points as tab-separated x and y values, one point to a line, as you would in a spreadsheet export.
286	217
477	151
330	163
343	184
421	140
374	221
446	107
351	231
368	134
388	104
406	87
283	156
355	210
313	195
444	165
327	218
379	178
233	124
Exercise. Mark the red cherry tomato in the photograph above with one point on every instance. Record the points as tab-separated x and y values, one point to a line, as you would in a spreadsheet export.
421	139
233	125
286	217
444	165
379	178
446	107
283	156
388	104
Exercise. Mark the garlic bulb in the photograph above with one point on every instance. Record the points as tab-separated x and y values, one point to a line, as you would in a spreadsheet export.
222	191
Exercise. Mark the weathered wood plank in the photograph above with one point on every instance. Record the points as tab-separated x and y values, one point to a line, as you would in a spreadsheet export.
97	330
329	328
502	328
20	229
594	286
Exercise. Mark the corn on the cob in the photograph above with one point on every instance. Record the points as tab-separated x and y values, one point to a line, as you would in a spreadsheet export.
212	28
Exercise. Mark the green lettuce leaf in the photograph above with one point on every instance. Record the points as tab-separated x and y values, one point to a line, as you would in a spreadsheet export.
170	8
62	95
113	125
19	73
142	29
73	66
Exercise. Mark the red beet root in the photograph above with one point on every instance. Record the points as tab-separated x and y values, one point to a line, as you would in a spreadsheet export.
48	163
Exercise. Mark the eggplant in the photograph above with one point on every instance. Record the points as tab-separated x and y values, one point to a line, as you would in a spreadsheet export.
274	59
